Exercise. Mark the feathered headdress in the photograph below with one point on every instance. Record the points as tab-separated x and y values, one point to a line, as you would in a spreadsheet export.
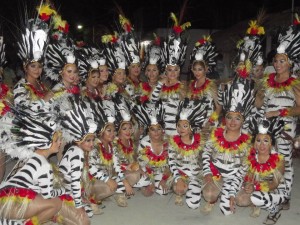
289	41
113	52
78	122
193	112
99	115
250	48
2	54
273	127
96	54
129	42
149	114
34	37
87	64
122	110
174	49
57	56
238	96
153	54
27	133
205	51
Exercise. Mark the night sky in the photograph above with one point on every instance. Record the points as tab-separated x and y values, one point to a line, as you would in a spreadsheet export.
147	15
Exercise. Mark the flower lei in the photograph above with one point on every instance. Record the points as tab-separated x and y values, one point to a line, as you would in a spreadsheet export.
153	159
184	149
17	195
4	91
73	90
199	92
146	90
224	146
105	156
280	87
36	94
166	91
127	152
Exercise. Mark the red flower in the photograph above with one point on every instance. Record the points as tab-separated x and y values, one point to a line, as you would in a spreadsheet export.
144	98
74	90
4	90
177	29
39	93
243	72
215	172
146	86
174	87
45	17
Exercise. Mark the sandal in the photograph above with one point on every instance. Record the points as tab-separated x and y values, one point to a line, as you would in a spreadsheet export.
272	218
255	212
96	209
121	200
207	208
179	200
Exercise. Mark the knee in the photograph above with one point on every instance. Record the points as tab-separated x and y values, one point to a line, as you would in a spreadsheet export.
256	199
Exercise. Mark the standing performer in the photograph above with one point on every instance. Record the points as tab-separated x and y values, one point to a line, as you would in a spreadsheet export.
171	90
282	96
185	154
30	92
203	58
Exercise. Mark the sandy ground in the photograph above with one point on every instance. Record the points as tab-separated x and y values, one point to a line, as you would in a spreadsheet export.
161	210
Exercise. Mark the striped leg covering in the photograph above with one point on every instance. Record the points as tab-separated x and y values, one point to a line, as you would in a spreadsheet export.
267	200
10	222
224	199
193	194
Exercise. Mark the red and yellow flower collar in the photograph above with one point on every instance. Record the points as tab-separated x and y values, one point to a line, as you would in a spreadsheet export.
106	157
127	152
146	90
283	86
185	149
198	92
263	169
35	93
224	146
171	89
155	160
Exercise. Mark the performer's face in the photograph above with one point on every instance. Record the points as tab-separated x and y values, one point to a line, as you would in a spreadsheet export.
172	72
88	143
152	73
183	128
125	131
108	134
258	71
156	132
69	74
93	79
199	70
119	76
56	142
263	143
233	121
281	64
103	73
33	70
134	70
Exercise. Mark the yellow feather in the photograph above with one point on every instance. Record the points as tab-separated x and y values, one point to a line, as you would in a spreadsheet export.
173	17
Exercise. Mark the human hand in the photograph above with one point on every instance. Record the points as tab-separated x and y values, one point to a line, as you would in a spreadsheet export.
208	178
112	184
163	185
128	189
249	188
180	186
232	204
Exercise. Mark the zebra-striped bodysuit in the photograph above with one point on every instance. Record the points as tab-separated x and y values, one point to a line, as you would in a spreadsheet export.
171	97
280	96
156	166
184	162
102	165
34	174
71	166
26	96
229	160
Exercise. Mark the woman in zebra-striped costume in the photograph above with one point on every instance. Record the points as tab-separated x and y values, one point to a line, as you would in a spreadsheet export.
281	91
28	192
79	128
263	185
185	152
